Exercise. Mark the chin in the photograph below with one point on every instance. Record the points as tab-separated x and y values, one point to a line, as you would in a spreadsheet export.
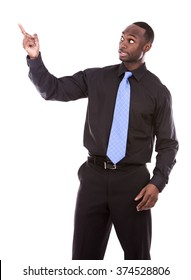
123	59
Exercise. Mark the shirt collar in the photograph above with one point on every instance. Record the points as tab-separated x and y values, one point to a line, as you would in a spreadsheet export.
137	73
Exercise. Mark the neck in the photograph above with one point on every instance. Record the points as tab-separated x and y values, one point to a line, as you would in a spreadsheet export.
134	65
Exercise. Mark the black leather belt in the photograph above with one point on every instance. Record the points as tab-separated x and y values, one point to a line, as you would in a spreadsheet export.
104	162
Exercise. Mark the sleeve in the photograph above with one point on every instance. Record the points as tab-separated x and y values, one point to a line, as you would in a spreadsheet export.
166	140
52	88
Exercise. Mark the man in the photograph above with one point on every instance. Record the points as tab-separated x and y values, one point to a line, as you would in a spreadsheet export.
116	192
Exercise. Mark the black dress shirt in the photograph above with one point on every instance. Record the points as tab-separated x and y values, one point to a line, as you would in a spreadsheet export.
150	111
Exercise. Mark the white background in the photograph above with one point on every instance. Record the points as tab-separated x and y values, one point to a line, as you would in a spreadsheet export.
41	145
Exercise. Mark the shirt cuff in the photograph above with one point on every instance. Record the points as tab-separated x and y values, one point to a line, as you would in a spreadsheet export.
158	181
33	63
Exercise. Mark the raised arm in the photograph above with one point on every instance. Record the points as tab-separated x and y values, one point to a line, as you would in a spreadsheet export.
50	87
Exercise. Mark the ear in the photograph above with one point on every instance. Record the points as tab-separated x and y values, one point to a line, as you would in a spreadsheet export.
147	47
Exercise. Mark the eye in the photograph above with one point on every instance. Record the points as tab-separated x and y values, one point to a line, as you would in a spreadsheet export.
121	39
131	41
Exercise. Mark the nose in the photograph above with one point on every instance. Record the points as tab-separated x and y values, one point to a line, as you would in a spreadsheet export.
123	44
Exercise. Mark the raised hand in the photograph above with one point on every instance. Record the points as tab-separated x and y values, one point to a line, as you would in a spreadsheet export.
30	43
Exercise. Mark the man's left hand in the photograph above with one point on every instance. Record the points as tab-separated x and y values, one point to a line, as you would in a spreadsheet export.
149	196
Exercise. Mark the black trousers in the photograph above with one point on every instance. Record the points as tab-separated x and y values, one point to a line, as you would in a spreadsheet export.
106	198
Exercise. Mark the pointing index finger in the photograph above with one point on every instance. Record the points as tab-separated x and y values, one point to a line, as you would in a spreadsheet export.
24	32
22	29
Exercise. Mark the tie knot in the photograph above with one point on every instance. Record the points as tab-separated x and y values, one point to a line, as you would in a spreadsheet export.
127	75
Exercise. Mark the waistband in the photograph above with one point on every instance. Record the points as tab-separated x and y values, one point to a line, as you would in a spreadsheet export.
105	163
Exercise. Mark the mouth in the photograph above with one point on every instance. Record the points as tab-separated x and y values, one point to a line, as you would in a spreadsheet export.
122	53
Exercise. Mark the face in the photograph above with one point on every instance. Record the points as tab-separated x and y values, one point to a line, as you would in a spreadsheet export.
133	45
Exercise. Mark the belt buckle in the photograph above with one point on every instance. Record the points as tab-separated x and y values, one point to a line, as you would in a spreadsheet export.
109	165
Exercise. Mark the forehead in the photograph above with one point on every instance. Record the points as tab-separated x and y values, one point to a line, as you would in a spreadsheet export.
134	30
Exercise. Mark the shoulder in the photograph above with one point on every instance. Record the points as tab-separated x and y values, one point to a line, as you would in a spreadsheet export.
156	84
154	79
101	74
101	70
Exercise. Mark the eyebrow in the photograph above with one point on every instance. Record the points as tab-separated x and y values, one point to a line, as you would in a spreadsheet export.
132	35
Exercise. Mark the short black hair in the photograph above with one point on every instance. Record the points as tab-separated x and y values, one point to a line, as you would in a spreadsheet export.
149	34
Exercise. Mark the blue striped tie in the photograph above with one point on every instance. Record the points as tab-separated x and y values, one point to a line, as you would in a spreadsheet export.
116	149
